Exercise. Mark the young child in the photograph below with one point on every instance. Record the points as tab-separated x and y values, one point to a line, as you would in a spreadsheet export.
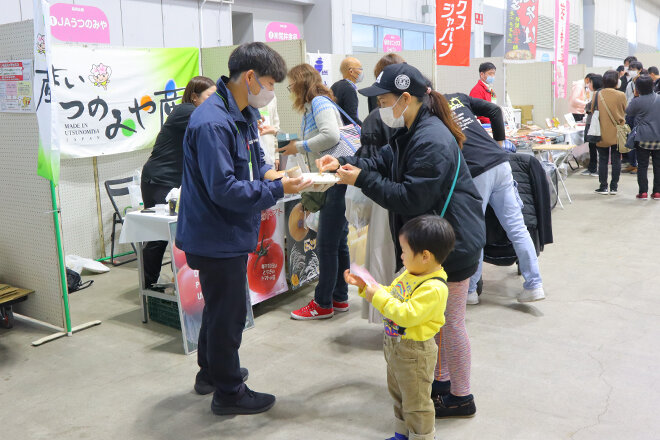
414	311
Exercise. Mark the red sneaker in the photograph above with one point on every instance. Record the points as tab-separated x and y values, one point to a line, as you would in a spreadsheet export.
656	196
340	306
312	311
642	196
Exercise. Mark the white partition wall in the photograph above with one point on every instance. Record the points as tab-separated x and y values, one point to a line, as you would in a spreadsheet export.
28	249
531	84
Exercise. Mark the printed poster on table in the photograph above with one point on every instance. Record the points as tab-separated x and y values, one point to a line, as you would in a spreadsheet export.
190	298
303	261
108	100
521	31
266	270
16	86
322	62
453	22
561	47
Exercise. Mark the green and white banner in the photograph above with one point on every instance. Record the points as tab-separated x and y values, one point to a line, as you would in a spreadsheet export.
109	100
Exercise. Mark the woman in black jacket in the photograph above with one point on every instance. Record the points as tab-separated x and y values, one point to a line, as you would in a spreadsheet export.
164	169
413	176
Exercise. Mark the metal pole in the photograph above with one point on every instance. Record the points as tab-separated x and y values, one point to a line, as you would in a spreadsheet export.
60	255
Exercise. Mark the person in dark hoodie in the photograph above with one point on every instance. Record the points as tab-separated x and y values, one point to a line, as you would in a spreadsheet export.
423	171
491	172
226	184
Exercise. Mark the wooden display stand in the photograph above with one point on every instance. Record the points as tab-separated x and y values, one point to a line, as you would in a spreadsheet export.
10	295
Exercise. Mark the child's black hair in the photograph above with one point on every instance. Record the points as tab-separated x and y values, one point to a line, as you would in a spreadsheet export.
432	233
258	57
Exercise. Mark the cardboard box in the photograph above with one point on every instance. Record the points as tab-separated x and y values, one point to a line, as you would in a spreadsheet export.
526	112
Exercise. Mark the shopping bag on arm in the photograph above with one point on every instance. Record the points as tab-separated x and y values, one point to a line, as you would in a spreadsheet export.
592	135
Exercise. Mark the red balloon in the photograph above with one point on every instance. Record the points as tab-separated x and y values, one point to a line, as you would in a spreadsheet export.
179	257
190	291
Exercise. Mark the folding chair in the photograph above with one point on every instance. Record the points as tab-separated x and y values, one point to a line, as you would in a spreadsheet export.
117	188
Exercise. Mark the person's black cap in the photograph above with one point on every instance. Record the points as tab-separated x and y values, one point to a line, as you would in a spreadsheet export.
398	78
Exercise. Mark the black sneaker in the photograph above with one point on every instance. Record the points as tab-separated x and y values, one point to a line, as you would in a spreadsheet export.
602	191
250	402
440	388
613	191
454	406
204	386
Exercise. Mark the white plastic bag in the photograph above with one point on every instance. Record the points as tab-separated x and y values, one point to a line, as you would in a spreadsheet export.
77	264
135	192
358	207
312	221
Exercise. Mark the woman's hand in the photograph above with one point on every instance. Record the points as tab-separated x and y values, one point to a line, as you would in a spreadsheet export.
327	163
348	174
353	280
267	129
289	150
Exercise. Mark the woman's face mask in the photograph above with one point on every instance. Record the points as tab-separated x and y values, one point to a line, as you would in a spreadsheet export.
261	99
387	115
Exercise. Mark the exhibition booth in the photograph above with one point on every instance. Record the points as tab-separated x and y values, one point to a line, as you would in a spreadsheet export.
101	107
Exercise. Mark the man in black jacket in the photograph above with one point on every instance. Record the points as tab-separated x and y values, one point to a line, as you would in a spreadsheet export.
491	173
345	90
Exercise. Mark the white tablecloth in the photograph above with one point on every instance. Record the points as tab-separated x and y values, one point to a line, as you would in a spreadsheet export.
139	226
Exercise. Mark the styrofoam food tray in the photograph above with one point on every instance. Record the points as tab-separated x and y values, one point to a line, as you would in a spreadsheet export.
321	182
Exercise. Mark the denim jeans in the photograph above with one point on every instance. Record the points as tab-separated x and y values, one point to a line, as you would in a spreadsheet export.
497	189
603	159
332	249
643	157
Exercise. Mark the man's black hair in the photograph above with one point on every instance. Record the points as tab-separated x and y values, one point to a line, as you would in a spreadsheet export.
636	65
629	59
429	233
610	79
485	67
620	68
258	57
654	70
596	81
644	85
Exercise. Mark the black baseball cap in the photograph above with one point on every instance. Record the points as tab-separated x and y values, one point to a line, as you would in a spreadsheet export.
398	78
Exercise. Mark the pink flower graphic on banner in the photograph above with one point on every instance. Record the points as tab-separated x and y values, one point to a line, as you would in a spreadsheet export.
100	75
41	44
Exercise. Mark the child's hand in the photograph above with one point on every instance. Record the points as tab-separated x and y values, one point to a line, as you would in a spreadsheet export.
369	293
353	280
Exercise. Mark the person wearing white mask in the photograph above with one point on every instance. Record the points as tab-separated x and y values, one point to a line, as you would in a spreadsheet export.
345	90
633	72
484	87
225	186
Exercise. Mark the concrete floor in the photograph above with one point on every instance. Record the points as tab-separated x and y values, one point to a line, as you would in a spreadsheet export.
582	364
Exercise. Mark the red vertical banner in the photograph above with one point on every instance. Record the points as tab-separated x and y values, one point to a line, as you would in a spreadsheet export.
453	22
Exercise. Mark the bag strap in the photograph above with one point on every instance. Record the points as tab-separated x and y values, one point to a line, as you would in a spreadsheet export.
453	185
609	113
359	129
429	279
594	102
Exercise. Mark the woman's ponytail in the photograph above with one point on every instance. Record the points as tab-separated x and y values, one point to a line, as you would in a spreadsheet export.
440	107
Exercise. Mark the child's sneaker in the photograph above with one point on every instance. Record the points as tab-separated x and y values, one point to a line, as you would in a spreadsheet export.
642	196
398	436
472	298
454	406
531	295
340	306
656	196
312	311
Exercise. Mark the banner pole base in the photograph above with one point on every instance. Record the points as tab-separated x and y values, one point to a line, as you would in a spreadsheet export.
58	335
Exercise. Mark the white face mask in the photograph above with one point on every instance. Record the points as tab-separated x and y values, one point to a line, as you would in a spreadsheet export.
261	99
360	77
633	74
387	115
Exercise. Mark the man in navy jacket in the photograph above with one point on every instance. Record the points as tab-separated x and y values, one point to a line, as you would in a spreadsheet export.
226	184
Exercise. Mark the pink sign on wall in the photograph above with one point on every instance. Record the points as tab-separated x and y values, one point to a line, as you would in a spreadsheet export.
391	43
79	23
278	31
